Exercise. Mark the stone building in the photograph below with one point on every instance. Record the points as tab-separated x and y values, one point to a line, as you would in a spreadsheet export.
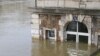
67	20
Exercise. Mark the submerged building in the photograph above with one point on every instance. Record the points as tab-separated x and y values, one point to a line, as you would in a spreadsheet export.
67	20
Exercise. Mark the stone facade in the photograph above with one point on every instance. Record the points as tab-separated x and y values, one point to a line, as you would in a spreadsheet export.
56	15
59	24
50	22
86	4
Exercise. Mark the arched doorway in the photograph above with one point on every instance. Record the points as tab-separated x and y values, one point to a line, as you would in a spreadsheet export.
77	31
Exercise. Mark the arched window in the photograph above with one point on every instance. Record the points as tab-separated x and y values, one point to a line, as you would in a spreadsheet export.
76	30
72	26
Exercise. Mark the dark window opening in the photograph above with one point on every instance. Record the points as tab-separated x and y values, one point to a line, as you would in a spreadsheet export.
51	33
72	26
83	39
71	37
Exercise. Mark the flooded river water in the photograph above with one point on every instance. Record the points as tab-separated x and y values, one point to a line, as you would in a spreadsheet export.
52	48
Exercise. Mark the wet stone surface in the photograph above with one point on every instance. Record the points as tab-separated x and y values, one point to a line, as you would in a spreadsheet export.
52	48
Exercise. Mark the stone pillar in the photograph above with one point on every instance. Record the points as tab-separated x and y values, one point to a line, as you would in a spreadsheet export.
61	23
89	30
96	38
35	26
61	35
64	19
44	36
60	31
55	31
87	21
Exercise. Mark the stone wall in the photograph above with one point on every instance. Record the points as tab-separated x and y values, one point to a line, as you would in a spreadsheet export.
95	29
65	19
50	22
84	4
35	26
59	22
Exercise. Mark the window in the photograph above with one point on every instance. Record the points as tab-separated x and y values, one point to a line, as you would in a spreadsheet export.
51	33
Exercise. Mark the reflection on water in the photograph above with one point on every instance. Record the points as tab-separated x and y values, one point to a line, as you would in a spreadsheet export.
52	48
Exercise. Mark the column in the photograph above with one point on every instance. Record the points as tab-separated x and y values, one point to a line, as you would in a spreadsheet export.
44	33
88	21
90	37
61	34
61	30
35	26
96	38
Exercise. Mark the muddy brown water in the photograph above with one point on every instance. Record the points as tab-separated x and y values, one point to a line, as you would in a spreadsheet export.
52	48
